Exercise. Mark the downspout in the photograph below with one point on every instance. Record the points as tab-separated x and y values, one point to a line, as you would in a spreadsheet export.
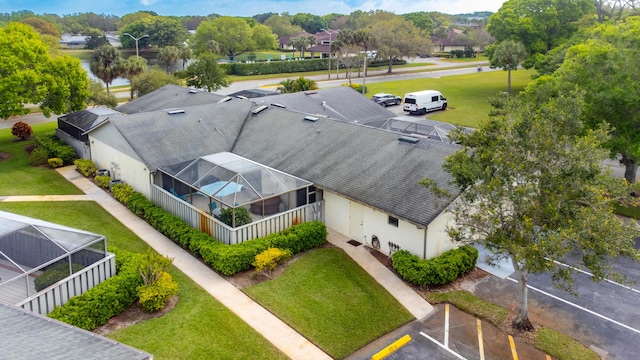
424	244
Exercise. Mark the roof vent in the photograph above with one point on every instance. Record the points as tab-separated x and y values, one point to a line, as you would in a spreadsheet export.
310	92
175	111
311	118
409	139
242	97
224	99
278	105
259	109
193	91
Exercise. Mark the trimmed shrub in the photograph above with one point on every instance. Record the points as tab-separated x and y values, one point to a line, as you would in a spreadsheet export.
107	299
56	148
242	216
356	87
55	162
440	270
268	260
54	274
38	156
122	192
154	296
22	130
102	181
86	167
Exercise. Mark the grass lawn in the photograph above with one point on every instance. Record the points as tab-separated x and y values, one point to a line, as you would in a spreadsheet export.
333	302
17	177
467	95
199	327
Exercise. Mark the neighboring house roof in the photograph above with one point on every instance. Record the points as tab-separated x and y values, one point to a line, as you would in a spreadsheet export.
26	335
340	103
253	93
452	39
284	40
368	165
322	48
89	118
169	96
323	36
163	139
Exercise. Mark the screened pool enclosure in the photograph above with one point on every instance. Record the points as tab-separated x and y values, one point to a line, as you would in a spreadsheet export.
35	255
233	189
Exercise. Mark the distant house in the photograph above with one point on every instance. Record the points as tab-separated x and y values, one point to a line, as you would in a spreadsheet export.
452	42
361	181
283	41
72	41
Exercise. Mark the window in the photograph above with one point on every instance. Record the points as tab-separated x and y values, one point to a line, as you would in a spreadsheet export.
409	101
393	221
434	98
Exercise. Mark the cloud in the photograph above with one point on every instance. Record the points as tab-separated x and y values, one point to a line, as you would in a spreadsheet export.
148	2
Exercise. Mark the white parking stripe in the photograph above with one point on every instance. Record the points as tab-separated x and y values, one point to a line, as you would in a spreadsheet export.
590	274
446	325
579	307
442	346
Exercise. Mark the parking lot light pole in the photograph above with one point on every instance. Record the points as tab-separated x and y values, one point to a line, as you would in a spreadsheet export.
136	40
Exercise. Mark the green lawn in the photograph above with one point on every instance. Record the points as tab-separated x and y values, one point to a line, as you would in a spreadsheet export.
17	177
467	95
333	302
199	327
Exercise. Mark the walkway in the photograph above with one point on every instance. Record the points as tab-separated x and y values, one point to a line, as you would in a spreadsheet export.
273	329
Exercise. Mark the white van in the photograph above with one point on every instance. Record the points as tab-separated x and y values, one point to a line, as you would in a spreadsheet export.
422	101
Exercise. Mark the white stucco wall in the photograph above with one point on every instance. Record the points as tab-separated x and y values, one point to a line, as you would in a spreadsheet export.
345	216
131	170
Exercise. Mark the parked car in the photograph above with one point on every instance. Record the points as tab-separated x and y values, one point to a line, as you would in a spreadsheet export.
387	99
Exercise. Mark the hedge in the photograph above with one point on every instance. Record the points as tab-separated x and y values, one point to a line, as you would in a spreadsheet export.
56	148
107	299
226	259
440	270
291	66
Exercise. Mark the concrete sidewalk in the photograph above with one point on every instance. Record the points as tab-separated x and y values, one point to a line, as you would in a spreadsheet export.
273	329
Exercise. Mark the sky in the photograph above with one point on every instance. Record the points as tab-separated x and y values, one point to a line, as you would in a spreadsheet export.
245	7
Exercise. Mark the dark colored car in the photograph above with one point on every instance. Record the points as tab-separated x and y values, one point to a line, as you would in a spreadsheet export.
386	99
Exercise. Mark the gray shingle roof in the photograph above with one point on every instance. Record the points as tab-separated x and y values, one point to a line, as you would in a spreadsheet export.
368	165
28	336
161	139
169	96
340	103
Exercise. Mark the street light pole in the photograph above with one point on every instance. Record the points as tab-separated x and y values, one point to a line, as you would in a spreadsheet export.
136	40
329	62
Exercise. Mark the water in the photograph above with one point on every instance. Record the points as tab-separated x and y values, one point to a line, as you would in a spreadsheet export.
116	82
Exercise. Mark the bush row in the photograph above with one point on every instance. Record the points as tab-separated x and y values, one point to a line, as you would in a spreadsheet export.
440	270
226	259
105	300
56	148
291	66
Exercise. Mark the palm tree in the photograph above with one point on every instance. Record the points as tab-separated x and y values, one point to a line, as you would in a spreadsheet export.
287	86
131	67
300	84
508	55
185	55
168	55
104	64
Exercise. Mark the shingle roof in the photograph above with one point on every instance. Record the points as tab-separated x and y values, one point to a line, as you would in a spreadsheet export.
169	96
368	165
162	139
25	335
340	103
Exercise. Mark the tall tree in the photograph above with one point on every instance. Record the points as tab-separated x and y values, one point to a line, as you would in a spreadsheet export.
95	38
533	191
281	25
263	38
206	73
395	38
606	68
508	55
422	21
169	55
104	64
42	26
232	35
309	22
301	43
28	75
185	55
540	25
132	67
162	30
